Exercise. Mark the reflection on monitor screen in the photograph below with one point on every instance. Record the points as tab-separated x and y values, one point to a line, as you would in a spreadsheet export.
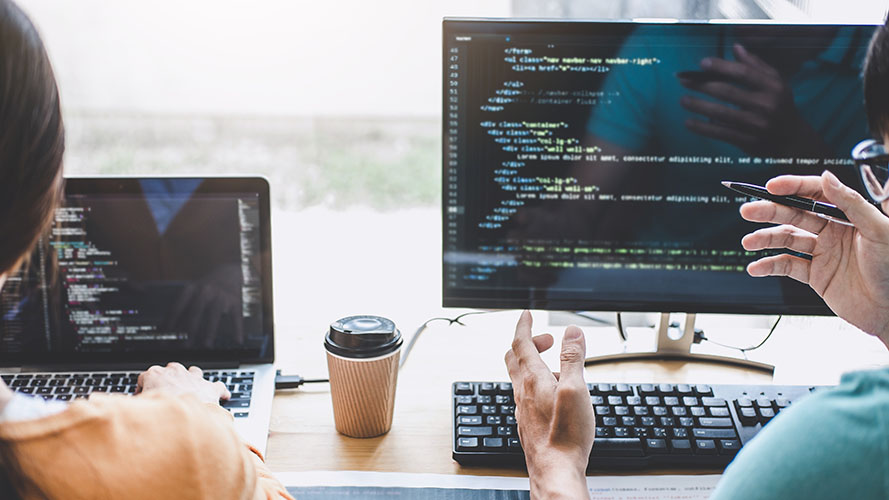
582	160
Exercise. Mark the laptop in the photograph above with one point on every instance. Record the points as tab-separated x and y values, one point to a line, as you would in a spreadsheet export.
139	271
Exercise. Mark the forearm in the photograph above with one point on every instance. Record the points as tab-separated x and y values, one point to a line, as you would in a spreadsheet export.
553	482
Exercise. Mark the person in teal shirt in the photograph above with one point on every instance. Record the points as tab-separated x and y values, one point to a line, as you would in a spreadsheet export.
832	444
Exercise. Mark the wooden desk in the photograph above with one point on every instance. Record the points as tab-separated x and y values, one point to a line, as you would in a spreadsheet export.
805	351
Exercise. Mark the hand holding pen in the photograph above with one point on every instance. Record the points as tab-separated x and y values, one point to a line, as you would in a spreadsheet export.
849	267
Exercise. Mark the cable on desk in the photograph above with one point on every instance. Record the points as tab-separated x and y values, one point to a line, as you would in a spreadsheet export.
620	327
451	321
699	336
294	381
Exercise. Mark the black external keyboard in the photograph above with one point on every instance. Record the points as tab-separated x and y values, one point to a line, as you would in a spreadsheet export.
77	385
637	425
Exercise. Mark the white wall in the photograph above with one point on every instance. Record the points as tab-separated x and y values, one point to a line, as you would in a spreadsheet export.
291	57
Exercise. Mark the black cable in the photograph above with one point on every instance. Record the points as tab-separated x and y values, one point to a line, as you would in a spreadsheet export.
743	349
451	321
294	381
620	329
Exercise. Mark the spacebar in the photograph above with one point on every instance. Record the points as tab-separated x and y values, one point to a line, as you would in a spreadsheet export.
612	447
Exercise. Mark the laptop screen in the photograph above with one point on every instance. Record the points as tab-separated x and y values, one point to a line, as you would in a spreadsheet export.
146	270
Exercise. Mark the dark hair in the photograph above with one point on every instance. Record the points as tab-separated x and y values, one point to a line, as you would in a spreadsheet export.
32	140
876	82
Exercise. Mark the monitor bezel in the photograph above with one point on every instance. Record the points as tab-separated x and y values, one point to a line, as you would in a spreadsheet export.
104	185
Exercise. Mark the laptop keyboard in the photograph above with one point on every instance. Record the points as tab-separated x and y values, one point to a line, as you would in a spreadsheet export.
68	386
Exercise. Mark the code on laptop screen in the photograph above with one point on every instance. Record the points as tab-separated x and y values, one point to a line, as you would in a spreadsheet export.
167	266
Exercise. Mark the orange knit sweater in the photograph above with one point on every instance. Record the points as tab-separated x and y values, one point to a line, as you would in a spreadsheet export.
151	446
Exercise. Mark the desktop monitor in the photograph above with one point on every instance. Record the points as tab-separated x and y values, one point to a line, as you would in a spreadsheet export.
582	160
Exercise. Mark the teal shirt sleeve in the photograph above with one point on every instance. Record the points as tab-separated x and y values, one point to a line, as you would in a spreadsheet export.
833	444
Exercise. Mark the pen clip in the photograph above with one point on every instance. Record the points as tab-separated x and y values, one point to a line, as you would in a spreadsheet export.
834	219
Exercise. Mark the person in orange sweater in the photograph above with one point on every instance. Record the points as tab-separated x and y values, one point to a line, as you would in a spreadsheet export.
172	440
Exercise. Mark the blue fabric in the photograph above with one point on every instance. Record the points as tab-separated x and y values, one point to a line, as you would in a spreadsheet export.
833	444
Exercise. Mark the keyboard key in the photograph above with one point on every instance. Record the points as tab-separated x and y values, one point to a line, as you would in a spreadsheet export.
682	446
652	400
766	414
714	433
617	447
729	446
500	399
690	401
679	411
615	400
686	421
719	412
62	390
621	432
510	420
489	410
505	388
470	420
659	432
63	397
634	400
43	390
19	383
513	443
492	442
493	420
680	432
655	446
507	409
467	410
623	389
483	400
597	400
683	389
603	432
666	388
236	403
474	431
628	421
640	410
705	447
461	400
647	389
620	411
698	411
505	430
647	421
7	378
659	411
463	388
602	410
465	443
241	414
671	401
603	388
713	402
763	402
609	421
748	416
486	388
25	390
715	422
703	390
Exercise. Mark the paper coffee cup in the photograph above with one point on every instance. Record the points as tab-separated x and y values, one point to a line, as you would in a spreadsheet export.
362	359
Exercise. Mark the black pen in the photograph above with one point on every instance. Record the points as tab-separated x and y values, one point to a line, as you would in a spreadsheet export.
825	210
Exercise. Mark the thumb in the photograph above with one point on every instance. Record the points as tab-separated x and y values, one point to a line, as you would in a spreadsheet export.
572	356
866	217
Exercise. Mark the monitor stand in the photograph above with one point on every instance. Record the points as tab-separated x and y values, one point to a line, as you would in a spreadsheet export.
678	349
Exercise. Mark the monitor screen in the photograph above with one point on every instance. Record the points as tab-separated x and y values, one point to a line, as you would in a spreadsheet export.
582	160
146	270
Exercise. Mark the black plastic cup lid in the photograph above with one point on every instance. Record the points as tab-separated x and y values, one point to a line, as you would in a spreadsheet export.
363	336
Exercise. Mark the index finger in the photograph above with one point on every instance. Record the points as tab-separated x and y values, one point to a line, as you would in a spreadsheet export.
799	185
523	346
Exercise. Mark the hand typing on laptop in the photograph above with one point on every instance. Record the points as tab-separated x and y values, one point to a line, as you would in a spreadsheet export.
175	379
